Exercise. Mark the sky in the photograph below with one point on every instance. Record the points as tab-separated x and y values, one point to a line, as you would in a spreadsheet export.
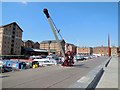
80	23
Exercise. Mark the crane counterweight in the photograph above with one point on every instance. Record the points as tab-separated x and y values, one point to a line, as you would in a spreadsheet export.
46	13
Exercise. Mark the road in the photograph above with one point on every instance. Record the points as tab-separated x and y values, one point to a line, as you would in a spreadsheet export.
50	76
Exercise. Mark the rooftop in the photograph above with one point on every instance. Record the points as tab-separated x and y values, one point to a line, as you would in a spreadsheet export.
52	41
70	44
35	50
10	24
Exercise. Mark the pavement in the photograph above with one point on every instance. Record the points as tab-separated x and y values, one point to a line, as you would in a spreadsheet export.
50	76
109	78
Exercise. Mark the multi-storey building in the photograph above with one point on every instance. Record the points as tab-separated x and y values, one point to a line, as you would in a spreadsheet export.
114	50
36	45
32	48
52	45
10	39
22	43
119	51
28	43
100	50
84	50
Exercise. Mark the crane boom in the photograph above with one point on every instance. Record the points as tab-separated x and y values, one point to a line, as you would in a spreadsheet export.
54	32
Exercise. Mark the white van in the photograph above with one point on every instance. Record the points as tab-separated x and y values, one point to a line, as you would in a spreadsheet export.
45	61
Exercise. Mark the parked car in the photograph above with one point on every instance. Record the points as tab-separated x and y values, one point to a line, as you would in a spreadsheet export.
1	66
49	63
92	56
4	68
45	61
79	58
87	57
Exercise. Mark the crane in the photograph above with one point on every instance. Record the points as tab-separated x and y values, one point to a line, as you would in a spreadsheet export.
68	57
54	32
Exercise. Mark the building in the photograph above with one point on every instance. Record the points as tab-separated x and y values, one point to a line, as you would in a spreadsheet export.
22	43
52	46
119	51
84	50
100	51
36	45
32	48
114	51
70	47
10	39
28	44
32	51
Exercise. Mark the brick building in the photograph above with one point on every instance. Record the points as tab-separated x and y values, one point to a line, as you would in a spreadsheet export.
100	50
84	50
28	43
115	51
36	45
10	39
52	46
119	51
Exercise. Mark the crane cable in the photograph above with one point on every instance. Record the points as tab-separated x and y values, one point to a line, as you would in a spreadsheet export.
57	29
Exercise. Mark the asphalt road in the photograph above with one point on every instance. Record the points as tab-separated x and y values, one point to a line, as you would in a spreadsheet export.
50	76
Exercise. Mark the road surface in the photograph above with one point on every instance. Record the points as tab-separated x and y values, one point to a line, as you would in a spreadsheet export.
50	76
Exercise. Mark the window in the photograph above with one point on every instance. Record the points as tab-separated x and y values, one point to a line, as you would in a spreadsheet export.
13	36
11	50
12	45
13	32
12	41
13	28
14	25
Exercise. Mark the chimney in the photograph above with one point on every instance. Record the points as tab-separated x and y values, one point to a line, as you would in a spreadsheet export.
109	50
